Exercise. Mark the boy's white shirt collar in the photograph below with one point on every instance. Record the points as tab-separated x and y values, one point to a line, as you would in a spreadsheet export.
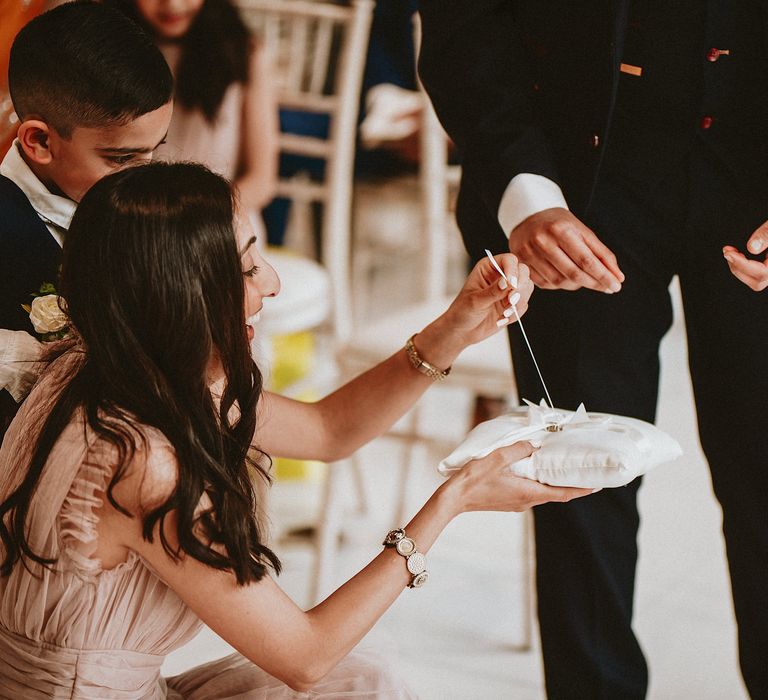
55	211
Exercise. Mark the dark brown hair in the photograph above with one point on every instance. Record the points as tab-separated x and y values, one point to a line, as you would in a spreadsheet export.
84	64
153	282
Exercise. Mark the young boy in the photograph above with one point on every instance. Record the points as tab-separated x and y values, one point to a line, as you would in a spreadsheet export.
93	94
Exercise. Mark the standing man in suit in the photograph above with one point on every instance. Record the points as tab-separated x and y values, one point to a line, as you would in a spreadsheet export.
612	145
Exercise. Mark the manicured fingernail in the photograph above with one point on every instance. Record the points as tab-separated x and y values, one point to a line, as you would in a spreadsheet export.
596	490
615	287
513	297
508	312
502	322
512	280
756	245
503	283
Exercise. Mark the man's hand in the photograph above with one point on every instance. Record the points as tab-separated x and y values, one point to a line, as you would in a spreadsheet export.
562	253
753	273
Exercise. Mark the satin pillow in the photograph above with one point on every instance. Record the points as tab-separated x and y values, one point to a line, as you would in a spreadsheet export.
587	450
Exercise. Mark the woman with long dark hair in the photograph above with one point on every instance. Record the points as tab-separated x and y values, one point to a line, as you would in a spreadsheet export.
225	112
128	513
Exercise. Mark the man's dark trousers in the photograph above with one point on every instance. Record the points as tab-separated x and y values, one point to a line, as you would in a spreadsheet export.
666	162
603	350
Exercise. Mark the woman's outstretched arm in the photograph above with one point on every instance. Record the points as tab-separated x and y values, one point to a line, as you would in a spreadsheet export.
367	406
267	627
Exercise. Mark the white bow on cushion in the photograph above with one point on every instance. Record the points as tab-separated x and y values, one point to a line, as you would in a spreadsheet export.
588	450
544	416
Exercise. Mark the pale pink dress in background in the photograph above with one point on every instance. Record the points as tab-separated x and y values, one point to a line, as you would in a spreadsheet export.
192	137
78	631
216	144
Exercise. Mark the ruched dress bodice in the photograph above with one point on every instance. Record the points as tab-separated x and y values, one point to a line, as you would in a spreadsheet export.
75	630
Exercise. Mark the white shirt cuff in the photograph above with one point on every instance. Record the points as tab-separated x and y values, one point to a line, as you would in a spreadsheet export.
528	194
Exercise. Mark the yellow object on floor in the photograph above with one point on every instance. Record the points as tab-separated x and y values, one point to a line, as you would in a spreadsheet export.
292	361
298	469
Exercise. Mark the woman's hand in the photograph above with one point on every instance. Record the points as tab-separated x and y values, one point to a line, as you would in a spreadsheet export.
486	300
485	303
487	484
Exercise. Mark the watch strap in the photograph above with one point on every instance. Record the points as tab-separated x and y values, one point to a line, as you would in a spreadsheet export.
415	561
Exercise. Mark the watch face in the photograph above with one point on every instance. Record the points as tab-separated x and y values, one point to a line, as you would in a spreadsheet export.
416	563
419	580
406	546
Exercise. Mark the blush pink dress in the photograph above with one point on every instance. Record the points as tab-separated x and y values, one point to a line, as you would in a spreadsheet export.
192	137
78	631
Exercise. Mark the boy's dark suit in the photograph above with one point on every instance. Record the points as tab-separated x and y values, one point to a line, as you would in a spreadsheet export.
666	167
29	257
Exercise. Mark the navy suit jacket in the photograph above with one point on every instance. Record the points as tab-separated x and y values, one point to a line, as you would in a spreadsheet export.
29	256
529	86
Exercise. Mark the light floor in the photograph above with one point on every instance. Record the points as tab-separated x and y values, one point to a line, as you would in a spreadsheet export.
456	637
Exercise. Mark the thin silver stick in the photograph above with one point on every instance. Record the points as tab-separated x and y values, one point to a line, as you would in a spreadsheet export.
522	330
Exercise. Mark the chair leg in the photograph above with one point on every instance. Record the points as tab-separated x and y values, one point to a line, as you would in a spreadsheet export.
526	587
409	447
327	534
362	272
358	481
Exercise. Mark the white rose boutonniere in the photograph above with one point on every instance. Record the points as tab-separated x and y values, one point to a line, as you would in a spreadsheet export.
48	314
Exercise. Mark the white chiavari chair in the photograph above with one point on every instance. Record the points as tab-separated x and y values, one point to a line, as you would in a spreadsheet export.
317	51
484	369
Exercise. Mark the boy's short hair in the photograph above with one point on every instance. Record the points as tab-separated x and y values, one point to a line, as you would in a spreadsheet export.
86	65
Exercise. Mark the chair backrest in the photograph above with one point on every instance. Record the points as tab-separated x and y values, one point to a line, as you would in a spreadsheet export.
432	239
317	50
433	176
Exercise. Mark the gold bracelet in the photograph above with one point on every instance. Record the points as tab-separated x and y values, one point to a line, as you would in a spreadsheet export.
422	365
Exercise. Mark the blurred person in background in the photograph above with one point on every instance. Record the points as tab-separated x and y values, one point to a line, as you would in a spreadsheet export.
225	113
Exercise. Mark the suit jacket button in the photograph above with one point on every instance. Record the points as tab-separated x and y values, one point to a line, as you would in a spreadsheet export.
706	122
594	140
